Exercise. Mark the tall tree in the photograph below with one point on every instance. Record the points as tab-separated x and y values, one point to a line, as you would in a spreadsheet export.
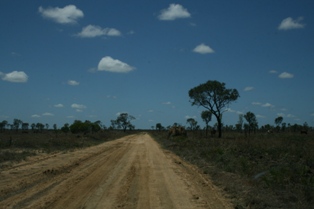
124	121
16	124
193	123
25	127
278	121
65	128
3	124
213	96
207	117
252	121
159	127
239	125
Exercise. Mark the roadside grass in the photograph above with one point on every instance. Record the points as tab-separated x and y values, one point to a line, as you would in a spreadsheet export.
17	146
257	171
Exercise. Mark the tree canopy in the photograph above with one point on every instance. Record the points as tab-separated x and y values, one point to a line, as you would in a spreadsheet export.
252	121
124	121
214	96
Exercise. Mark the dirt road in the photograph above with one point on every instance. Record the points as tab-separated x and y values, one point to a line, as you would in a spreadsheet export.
131	172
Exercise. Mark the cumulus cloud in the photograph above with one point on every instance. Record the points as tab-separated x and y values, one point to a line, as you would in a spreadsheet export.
174	11
65	15
78	106
35	116
166	103
59	105
273	72
289	23
267	105
92	31
286	75
73	83
263	105
203	49
229	110
113	65
48	114
15	76
248	88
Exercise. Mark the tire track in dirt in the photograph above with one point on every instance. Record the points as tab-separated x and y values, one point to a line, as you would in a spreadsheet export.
131	172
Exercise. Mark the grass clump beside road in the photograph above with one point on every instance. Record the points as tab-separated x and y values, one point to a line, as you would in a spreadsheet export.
257	171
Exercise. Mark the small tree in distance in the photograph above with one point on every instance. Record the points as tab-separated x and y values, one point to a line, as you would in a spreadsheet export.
252	122
278	121
213	96
159	127
124	121
193	124
207	117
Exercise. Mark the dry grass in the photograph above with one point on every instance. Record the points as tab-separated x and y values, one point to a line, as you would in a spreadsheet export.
17	146
258	171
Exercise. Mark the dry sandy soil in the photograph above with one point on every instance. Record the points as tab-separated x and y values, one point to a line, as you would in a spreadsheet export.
131	172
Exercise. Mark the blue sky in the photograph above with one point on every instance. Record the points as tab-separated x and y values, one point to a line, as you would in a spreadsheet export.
90	60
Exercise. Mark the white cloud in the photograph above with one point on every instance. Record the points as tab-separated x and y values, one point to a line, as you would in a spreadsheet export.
203	49
65	15
263	105
290	116
166	103
58	105
248	88
48	114
273	71
289	23
260	116
188	117
92	31
286	75
73	83
229	110
78	106
15	76
174	11
256	103
35	116
112	32
113	65
267	105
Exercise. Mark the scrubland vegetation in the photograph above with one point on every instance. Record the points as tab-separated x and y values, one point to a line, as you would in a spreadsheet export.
257	171
258	167
17	146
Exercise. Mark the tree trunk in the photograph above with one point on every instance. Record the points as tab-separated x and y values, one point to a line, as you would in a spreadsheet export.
219	125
